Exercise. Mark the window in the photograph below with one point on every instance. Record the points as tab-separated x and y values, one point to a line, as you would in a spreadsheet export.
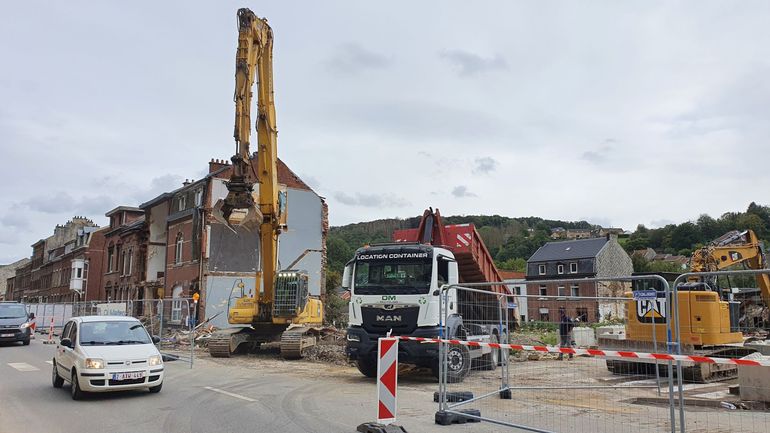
110	258
560	269
78	272
582	314
199	197
124	263
573	268
129	262
544	317
543	290
575	291
561	291
541	269
178	249
182	202
176	305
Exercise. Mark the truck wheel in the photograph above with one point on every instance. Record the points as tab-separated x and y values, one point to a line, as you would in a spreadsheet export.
367	367
490	360
458	363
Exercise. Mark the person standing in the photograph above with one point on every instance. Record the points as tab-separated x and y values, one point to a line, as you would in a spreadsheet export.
565	331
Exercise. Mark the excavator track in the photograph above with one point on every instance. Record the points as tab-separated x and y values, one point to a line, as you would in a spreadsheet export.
295	340
223	343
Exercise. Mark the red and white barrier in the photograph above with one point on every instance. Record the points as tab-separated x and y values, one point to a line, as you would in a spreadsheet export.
387	379
50	333
596	352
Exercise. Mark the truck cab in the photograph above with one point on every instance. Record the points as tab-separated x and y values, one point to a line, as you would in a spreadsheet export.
395	288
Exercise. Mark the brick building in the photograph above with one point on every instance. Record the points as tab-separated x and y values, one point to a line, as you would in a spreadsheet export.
582	258
59	267
189	252
7	278
125	255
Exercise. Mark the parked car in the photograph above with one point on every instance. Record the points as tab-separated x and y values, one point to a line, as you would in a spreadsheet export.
106	353
15	323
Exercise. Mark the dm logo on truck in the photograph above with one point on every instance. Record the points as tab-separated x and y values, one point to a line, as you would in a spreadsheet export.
389	318
647	310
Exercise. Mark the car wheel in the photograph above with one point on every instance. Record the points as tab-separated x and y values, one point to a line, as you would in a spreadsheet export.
77	394
56	380
25	342
156	389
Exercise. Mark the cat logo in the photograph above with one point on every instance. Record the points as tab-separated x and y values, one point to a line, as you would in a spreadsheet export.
389	318
648	310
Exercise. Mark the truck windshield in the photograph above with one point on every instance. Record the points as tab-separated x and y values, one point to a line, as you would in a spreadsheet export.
12	311
394	277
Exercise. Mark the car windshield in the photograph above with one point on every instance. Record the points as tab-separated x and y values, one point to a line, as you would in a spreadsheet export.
392	277
113	333
12	311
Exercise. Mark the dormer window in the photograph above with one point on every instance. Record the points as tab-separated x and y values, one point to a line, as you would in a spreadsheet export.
573	268
560	269
541	269
182	203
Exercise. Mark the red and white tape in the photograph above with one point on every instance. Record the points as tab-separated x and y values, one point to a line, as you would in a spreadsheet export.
387	379
596	352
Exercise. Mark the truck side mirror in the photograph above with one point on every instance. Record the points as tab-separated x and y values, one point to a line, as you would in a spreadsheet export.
347	275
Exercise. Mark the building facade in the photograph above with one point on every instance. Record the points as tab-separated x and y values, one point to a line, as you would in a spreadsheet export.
61	266
575	260
189	251
8	277
125	255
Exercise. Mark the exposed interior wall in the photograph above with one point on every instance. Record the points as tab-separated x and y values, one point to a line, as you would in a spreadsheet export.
156	250
305	231
218	290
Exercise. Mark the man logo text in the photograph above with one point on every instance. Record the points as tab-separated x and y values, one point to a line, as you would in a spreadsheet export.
393	318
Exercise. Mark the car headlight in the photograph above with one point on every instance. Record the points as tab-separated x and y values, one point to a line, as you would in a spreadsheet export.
94	363
354	338
154	360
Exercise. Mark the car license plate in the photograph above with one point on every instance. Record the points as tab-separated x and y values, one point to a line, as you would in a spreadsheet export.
128	376
6	335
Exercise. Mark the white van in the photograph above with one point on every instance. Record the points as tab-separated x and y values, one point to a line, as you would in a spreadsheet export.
106	353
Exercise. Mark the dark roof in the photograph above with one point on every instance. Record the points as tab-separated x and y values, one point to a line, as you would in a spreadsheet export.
567	250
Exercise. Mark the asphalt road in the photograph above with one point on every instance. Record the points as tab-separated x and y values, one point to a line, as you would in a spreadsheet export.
277	396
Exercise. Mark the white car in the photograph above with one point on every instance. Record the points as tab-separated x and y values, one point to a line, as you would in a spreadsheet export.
106	353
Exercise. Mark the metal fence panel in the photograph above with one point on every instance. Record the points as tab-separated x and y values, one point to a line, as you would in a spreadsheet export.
536	387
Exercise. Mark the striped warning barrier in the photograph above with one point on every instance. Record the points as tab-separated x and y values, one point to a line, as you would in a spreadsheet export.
596	352
387	379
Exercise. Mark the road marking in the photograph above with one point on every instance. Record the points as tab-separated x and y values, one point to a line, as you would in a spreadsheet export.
49	362
221	391
23	366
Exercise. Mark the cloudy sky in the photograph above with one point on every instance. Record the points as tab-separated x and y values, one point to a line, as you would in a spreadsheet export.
616	112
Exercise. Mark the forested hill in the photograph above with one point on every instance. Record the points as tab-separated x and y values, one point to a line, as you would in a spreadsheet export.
512	240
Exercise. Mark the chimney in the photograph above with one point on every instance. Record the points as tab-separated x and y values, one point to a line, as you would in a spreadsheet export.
217	164
186	182
612	237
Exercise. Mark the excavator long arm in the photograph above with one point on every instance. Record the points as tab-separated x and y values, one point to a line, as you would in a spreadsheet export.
254	64
731	249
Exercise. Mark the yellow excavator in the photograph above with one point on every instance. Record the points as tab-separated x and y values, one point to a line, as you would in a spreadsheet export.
708	321
279	305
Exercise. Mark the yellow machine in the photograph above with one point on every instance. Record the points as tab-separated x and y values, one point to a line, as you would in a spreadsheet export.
708	322
279	304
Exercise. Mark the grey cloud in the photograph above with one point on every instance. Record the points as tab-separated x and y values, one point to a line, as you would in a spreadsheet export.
598	156
370	200
51	203
16	220
661	223
353	58
63	202
485	165
462	191
468	64
418	120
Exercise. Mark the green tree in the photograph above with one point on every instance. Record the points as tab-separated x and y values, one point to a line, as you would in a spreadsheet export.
517	264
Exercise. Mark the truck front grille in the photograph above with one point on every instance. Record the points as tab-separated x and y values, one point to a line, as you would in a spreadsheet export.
379	321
